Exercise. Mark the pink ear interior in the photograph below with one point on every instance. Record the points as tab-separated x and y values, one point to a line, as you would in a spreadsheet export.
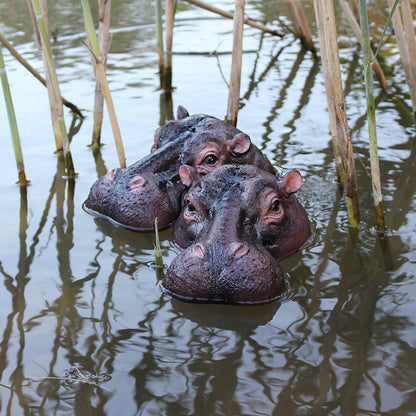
187	174
292	181
239	144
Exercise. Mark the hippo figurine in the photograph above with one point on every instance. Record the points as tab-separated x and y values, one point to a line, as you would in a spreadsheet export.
133	197
237	222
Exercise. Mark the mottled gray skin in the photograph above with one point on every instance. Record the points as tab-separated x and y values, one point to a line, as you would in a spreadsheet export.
150	188
236	223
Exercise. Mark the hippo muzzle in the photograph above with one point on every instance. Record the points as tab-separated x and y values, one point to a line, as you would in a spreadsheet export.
234	273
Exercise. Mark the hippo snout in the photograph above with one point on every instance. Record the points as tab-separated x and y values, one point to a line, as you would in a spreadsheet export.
234	273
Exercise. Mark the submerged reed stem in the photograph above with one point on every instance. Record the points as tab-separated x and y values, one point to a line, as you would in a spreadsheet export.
371	116
12	123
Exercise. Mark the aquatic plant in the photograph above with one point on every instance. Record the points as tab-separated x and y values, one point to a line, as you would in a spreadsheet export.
12	123
104	45
371	116
157	249
101	74
61	136
343	150
236	62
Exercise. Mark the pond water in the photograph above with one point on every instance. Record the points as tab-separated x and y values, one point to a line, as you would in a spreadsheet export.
85	328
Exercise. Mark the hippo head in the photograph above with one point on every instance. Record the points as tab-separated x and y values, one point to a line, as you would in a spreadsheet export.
134	199
218	143
210	142
236	223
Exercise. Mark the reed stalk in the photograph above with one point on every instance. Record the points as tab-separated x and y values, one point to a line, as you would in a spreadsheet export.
371	116
301	24
159	35
100	71
51	73
166	80
230	15
13	124
331	108
357	32
35	26
236	62
104	44
405	36
35	73
410	39
343	150
52	103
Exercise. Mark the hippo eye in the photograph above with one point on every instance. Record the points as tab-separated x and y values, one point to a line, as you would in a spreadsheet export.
190	206
275	206
211	159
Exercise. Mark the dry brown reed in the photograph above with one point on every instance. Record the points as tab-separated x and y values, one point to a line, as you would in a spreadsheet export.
301	24
159	35
100	72
35	73
166	79
406	42
230	15
236	62
104	11
343	150
56	104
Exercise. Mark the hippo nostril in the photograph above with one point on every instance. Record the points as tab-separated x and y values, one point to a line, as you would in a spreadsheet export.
137	182
199	251
239	249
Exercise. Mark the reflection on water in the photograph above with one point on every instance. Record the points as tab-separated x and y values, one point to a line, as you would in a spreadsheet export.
85	328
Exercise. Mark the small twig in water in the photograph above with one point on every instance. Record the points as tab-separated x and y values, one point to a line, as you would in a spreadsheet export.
83	379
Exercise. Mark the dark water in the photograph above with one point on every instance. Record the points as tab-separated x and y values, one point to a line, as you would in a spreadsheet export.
84	326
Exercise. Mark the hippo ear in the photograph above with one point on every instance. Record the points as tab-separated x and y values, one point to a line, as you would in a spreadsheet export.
239	144
181	113
292	181
187	174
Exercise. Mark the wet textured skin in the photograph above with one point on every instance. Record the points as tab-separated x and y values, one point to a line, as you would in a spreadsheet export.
237	222
150	188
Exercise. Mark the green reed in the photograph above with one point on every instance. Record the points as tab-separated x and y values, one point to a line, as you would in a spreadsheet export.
12	123
371	115
157	249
